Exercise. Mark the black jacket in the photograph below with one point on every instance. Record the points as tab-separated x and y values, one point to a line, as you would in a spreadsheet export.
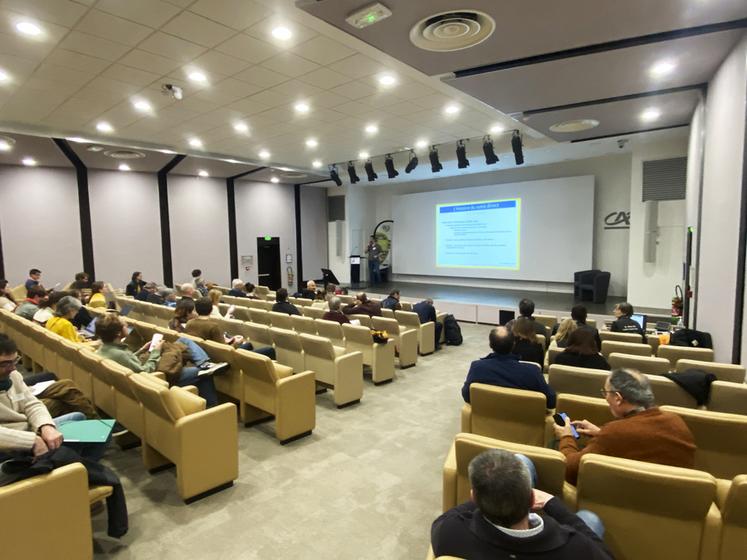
233	292
464	532
391	303
529	351
286	307
539	328
591	361
627	325
581	325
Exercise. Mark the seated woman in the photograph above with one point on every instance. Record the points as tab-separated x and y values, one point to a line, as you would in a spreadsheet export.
525	342
112	330
215	295
582	352
561	337
136	285
183	312
61	322
47	307
97	295
6	298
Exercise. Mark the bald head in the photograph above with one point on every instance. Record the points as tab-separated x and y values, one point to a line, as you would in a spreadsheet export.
311	285
362	297
501	340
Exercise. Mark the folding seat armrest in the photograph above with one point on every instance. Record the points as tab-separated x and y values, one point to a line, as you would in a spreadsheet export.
188	400
722	490
282	371
711	541
349	357
449	480
191	389
467	418
295	405
210	435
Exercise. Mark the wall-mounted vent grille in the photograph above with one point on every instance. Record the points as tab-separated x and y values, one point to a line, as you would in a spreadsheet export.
335	208
664	179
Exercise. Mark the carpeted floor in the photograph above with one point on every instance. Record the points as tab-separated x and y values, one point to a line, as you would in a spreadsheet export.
365	485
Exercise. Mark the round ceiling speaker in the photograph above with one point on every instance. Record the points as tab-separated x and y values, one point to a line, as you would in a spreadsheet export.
124	154
452	31
576	125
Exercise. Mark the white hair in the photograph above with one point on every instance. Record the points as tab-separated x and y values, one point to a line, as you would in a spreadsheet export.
188	287
236	283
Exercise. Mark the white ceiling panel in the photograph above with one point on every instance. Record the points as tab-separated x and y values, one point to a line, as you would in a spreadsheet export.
149	62
263	31
354	90
130	75
198	29
114	28
322	50
248	48
93	46
153	13
324	78
260	76
290	64
238	14
172	47
61	12
357	66
77	61
215	62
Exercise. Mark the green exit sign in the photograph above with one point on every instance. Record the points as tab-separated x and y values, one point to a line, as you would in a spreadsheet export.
268	238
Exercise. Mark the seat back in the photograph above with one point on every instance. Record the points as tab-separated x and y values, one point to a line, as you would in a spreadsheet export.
723	372
552	353
261	291
548	321
364	320
259	380
288	348
734	518
156	398
303	324
667	506
391	326
720	440
242	313
406	305
331	330
578	407
508	414
577	381
610	346
313	312
644	364
359	339
228	382
260	316
728	397
259	333
317	347
280	320
408	319
675	353
620	337
388	313
668	392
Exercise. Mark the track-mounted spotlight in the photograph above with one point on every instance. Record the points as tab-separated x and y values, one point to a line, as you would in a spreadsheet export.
435	164
372	176
517	147
413	163
389	164
487	148
334	175
352	174
461	153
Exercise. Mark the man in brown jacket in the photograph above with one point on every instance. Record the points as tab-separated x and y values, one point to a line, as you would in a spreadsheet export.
363	306
640	430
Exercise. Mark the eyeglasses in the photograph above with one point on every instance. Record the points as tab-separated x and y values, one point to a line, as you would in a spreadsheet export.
10	363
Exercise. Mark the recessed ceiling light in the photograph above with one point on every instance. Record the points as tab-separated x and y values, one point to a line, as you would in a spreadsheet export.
312	143
124	167
371	129
195	142
651	114
78	140
497	129
95	148
167	151
274	180
663	68
4	77
421	143
28	28
142	105
264	154
6	144
282	33
363	155
452	109
197	76
302	107
28	161
241	127
203	173
576	125
103	126
386	80
316	163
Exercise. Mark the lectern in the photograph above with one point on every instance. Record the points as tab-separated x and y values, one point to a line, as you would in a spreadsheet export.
355	271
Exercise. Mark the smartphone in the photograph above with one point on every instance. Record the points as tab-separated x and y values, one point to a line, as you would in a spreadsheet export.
158	337
560	419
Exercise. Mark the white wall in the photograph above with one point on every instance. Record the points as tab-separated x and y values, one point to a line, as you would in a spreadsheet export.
40	223
722	182
692	202
314	244
126	226
266	209
198	210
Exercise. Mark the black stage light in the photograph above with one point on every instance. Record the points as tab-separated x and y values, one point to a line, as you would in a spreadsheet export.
435	164
413	163
461	153
352	174
487	148
389	164
372	176
517	147
334	175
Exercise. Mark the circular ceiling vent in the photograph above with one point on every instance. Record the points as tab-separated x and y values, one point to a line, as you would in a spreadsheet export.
576	125
124	154
95	148
452	31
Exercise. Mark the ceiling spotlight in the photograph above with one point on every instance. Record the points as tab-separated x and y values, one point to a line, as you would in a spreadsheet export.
316	164
264	154
175	92
28	161
461	153
517	147
497	129
371	129
435	164
651	114
274	179
487	148
363	155
662	68
6	144
421	143
413	163
282	33
386	80
77	140
4	77
104	126
451	109
142	105
371	174
352	174
197	76
389	164
124	167
28	28
241	127
195	142
203	173
167	151
334	175
302	107
311	143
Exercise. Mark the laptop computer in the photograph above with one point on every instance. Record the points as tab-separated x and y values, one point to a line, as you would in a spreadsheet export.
640	319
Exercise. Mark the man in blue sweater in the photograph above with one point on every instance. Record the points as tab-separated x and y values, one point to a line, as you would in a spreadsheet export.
503	369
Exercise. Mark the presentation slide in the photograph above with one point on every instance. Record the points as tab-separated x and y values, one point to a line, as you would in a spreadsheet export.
541	230
482	234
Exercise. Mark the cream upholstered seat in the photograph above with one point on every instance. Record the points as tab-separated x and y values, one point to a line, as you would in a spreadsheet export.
723	372
651	511
380	356
728	397
288	348
734	520
280	320
507	414
426	331
667	392
620	336
313	312
261	291
610	346
363	319
331	330
388	313
304	324
576	380
229	382
203	444
260	316
258	334
405	339
549	321
272	390
578	407
644	364
334	368
675	353
406	305
242	313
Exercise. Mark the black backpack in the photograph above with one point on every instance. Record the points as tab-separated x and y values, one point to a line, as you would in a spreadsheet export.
452	331
691	338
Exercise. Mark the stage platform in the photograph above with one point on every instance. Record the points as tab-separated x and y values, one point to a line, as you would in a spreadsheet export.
483	305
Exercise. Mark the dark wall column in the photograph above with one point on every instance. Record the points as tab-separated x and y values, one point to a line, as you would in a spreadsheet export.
736	352
163	203
299	237
233	244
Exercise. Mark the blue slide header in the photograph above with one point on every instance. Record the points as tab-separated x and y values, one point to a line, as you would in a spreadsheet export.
478	206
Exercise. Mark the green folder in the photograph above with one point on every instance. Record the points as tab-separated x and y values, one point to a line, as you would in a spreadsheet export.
87	431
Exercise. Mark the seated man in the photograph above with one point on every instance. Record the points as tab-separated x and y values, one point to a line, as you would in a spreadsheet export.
503	369
508	519
392	302
189	292
149	289
34	278
28	307
624	323
282	305
427	314
334	313
364	306
199	283
237	288
640	430
310	291
81	282
526	309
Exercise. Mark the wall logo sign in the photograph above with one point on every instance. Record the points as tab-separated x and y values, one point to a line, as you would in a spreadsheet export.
617	220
